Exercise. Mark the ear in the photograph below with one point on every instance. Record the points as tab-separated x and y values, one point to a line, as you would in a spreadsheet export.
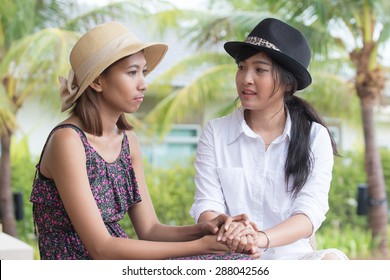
96	85
289	88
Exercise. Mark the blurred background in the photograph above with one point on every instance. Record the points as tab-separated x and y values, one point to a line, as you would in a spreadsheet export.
194	83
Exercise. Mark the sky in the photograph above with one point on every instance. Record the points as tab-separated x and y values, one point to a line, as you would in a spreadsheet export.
178	3
385	52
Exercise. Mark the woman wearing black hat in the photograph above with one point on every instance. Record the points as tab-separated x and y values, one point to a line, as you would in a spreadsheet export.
272	158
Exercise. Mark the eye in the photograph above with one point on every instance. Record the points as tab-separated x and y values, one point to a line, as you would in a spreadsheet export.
132	73
261	70
144	72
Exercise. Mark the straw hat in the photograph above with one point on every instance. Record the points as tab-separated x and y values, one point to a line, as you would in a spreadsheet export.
96	50
280	41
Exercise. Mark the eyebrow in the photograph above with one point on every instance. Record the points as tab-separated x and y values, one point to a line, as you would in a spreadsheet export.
261	62
137	66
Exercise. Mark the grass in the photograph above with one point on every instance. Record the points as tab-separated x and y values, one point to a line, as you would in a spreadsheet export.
356	243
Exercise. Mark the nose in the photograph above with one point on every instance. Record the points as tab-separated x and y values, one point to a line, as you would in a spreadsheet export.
142	85
247	78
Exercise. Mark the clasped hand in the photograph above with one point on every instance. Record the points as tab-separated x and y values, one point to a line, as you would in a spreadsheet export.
237	232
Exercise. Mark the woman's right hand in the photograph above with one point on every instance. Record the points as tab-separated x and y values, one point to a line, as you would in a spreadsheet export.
213	246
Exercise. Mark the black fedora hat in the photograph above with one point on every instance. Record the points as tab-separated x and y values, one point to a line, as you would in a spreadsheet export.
281	42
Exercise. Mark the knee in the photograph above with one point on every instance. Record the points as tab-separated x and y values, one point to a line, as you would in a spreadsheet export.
330	256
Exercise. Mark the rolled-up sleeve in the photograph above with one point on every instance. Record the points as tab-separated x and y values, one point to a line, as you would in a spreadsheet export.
312	200
208	194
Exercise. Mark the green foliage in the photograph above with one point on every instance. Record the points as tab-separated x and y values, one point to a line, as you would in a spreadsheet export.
348	172
343	228
23	170
172	191
355	242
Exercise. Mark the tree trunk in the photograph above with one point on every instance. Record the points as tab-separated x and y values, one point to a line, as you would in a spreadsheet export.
369	84
375	179
6	199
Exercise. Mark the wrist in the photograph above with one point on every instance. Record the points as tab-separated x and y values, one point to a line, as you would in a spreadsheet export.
199	230
205	244
263	240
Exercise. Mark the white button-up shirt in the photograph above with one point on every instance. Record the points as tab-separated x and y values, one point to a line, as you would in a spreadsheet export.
235	175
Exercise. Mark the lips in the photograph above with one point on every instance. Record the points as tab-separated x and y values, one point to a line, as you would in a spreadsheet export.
139	98
248	92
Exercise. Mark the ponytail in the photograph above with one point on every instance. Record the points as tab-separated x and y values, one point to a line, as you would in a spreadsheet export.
299	162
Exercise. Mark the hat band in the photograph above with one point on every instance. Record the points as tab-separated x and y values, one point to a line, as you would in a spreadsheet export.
257	41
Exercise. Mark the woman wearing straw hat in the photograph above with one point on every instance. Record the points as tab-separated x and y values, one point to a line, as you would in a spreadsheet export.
90	172
272	158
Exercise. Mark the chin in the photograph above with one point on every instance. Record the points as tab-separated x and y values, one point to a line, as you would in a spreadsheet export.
131	110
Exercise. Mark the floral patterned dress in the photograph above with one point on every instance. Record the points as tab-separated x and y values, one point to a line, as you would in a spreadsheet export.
115	190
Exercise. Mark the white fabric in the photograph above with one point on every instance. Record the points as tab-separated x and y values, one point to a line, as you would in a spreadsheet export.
235	175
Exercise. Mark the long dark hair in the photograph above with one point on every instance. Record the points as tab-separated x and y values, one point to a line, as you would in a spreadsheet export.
299	162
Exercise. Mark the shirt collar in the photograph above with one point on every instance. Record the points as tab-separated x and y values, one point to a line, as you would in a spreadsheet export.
239	126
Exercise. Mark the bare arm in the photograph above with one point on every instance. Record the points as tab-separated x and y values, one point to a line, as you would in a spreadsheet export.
64	161
291	230
143	215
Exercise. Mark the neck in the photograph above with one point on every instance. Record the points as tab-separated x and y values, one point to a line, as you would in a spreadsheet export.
109	124
268	126
109	127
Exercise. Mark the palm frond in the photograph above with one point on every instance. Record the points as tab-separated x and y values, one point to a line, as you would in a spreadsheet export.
212	86
131	11
36	61
186	69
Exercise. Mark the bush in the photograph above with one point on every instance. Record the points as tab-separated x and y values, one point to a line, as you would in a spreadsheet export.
355	242
172	191
23	170
348	172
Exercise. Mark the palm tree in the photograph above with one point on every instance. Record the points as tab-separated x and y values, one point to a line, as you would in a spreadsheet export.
352	52
35	40
32	56
362	28
207	89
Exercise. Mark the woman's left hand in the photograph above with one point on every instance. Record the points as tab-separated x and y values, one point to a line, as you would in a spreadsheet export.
212	226
242	239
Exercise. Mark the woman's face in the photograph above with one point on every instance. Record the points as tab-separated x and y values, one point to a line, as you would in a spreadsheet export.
124	84
257	87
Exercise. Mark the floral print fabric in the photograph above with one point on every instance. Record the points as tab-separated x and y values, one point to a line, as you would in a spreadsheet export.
113	186
115	190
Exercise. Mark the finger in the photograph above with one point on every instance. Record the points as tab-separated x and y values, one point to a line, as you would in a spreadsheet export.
241	217
221	233
221	218
229	243
251	244
255	227
256	255
211	227
228	222
228	233
249	231
234	244
242	244
238	231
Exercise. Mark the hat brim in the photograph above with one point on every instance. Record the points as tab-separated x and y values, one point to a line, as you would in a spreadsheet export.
153	52
299	71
